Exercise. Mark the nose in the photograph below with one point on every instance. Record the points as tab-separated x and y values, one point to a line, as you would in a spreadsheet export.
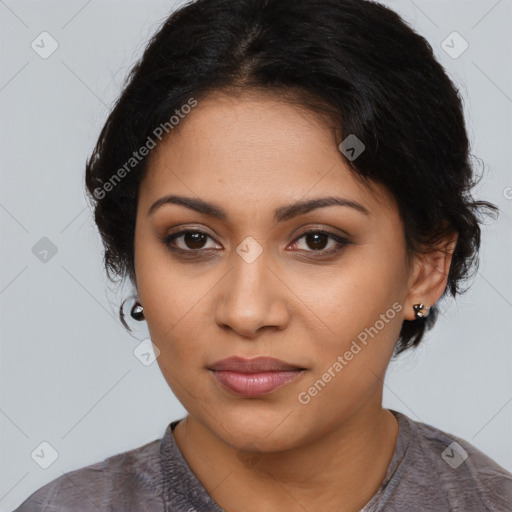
251	298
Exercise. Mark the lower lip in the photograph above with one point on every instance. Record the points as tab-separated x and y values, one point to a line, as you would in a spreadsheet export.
255	384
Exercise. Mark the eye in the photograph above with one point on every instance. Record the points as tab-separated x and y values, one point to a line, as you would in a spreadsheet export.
317	240
188	240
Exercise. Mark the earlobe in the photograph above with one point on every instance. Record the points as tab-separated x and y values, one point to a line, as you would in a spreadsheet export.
429	278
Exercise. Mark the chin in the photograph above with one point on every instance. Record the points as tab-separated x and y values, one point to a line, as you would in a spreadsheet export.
264	431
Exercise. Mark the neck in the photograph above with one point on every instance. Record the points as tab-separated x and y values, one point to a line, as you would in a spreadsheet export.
338	471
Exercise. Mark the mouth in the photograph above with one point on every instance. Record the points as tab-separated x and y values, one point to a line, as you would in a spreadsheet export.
254	377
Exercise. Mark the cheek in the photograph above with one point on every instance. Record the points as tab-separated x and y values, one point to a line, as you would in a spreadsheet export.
362	306
160	289
350	364
162	285
176	314
354	295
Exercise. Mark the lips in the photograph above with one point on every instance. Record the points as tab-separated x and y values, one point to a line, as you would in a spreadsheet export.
254	377
255	365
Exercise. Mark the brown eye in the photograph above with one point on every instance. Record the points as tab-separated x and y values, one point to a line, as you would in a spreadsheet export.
323	243
316	241
188	241
194	240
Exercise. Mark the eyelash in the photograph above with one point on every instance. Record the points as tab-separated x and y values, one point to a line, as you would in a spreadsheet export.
342	242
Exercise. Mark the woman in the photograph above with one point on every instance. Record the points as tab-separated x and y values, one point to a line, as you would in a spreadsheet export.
287	185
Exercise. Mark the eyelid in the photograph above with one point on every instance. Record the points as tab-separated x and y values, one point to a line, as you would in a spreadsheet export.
169	237
341	243
328	230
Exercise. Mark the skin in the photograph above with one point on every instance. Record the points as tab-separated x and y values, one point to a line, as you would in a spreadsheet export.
250	154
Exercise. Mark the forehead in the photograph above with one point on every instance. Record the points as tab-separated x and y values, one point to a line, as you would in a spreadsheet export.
256	148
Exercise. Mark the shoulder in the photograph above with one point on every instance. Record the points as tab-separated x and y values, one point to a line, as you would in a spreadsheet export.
467	477
125	481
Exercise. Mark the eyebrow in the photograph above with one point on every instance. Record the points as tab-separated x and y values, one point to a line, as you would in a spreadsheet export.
281	214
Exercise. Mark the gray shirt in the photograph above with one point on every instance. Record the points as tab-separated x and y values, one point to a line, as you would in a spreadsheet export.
430	471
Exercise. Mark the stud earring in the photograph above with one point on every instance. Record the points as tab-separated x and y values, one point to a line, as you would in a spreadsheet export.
137	311
419	310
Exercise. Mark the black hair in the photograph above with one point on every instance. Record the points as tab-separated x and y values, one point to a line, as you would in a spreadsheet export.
355	60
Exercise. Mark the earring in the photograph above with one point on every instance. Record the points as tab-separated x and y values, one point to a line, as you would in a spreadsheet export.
137	311
418	310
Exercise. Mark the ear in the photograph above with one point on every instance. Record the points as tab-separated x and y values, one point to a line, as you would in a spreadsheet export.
429	275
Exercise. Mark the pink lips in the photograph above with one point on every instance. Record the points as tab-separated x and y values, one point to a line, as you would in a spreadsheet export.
254	377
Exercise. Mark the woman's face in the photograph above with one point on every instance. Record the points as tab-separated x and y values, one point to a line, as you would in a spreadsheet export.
251	282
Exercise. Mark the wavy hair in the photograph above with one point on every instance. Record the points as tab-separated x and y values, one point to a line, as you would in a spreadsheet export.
354	60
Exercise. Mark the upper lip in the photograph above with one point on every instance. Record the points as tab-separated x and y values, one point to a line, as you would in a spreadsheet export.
254	365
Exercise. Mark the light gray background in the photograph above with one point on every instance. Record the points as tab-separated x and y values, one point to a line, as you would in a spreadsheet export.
68	373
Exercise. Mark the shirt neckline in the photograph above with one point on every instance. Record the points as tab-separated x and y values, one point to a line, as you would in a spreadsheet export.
398	463
182	487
